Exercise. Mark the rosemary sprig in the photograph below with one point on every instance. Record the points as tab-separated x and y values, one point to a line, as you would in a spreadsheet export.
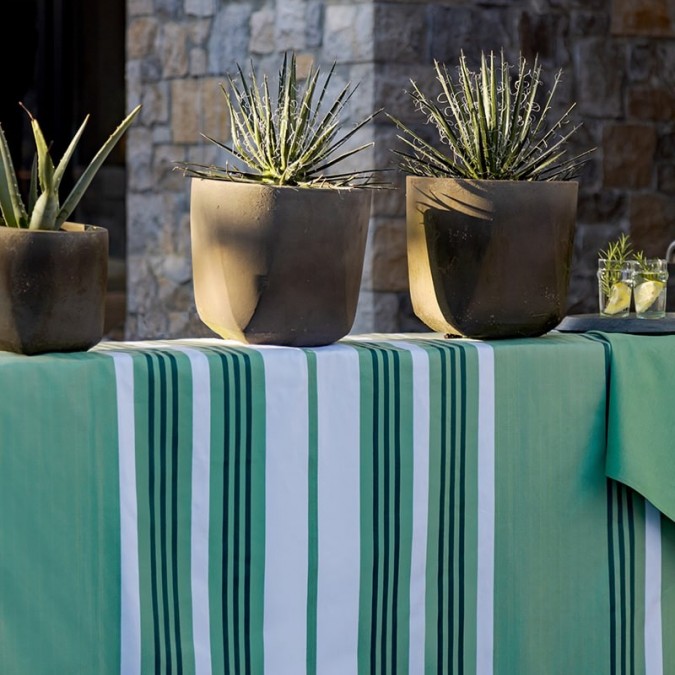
615	256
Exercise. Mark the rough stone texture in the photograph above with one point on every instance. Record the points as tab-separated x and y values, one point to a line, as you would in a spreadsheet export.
628	152
618	62
655	18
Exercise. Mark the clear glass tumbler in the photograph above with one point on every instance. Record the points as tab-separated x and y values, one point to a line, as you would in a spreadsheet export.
650	286
615	287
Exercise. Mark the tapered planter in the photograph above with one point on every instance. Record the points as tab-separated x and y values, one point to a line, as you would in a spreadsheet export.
52	288
490	259
277	265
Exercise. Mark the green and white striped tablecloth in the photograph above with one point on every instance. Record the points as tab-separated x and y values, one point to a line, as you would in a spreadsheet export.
389	504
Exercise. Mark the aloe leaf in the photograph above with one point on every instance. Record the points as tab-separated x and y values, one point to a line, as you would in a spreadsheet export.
87	176
12	206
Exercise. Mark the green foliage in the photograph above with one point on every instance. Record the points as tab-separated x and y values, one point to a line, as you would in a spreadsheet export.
43	210
290	139
617	254
494	127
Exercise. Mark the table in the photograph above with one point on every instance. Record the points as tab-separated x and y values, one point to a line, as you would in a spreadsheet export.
388	504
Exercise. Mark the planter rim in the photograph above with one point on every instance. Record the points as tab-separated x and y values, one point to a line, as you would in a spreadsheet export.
67	228
482	181
290	188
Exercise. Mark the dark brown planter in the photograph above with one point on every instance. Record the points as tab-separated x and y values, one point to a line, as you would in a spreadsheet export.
490	259
277	265
52	288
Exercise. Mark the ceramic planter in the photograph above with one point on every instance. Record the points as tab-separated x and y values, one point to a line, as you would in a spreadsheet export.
52	288
277	265
490	259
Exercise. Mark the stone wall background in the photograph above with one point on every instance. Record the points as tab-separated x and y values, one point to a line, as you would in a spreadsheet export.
618	62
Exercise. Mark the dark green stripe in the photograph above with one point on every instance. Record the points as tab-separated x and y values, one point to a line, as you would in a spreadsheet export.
312	511
376	529
174	511
397	506
440	624
163	525
226	560
612	578
452	433
152	516
386	444
247	502
622	581
631	570
461	511
237	515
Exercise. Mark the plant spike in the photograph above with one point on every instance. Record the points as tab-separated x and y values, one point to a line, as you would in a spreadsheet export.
493	128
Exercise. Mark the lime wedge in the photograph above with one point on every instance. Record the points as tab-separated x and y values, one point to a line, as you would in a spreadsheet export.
619	298
645	294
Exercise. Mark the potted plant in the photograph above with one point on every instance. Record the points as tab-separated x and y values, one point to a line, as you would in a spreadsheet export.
491	207
278	236
53	273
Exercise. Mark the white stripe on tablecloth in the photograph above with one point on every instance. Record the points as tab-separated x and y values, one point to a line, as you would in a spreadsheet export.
130	629
653	628
199	526
420	506
338	510
286	526
486	510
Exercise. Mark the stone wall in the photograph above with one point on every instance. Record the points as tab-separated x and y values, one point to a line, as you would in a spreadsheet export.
618	62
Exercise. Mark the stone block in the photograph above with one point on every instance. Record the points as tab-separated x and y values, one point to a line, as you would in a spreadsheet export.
141	37
655	18
262	32
652	103
376	313
198	106
173	50
155	103
652	222
401	33
200	7
666	179
604	206
628	155
388	263
598	73
471	30
348	33
290	26
230	37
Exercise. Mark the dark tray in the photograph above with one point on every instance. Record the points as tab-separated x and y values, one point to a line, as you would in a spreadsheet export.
581	323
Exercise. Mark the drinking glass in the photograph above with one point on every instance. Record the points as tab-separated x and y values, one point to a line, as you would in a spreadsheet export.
650	286
615	286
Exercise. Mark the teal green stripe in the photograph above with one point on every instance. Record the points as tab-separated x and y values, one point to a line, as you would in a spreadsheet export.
59	478
611	537
312	511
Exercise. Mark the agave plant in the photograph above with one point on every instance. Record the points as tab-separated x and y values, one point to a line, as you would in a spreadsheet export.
494	125
43	209
291	139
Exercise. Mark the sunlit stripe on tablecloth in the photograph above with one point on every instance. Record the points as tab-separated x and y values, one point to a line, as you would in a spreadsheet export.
199	529
130	647
486	510
286	517
338	510
653	622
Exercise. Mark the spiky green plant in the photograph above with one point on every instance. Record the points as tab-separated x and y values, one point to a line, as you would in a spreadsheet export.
291	139
615	256
494	126
43	209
